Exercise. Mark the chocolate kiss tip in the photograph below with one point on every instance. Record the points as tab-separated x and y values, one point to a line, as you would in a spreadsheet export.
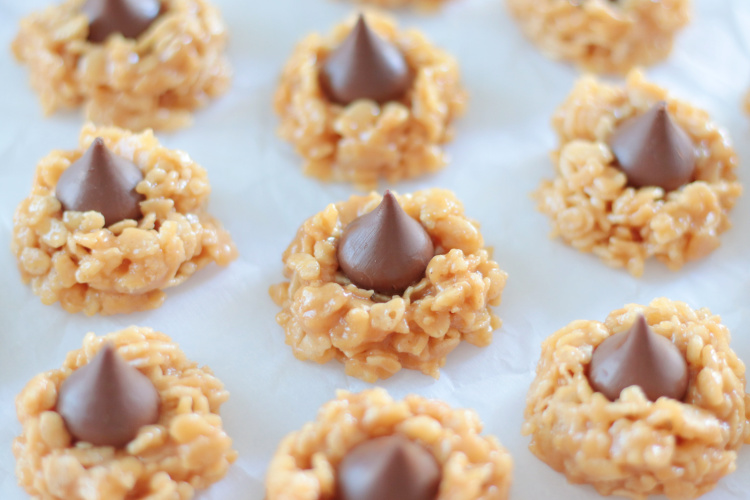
130	18
388	468
365	66
385	250
641	357
652	150
107	401
103	182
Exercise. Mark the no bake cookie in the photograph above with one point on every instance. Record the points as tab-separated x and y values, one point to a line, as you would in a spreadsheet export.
128	416
362	446
136	65
426	302
609	198
652	401
399	4
107	227
603	36
368	102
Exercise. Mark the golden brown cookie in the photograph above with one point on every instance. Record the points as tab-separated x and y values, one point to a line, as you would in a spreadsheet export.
602	36
473	467
325	316
153	81
186	450
631	446
73	258
590	203
364	141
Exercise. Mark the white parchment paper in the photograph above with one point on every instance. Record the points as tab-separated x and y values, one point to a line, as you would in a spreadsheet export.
224	317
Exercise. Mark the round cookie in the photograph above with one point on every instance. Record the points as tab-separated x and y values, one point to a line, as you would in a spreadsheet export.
325	316
154	80
594	209
185	450
364	141
307	462
74	258
631	446
400	4
602	36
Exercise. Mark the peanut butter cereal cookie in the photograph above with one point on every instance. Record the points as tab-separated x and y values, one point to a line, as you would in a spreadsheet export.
367	445
128	416
639	175
641	425
136	65
107	227
399	4
384	283
603	36
369	102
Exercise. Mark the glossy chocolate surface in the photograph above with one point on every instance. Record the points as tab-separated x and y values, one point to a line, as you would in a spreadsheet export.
388	468
653	150
385	250
365	66
639	356
130	18
107	401
103	182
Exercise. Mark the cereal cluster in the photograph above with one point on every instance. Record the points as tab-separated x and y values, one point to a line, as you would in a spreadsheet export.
186	450
399	4
600	35
325	316
72	258
633	447
155	81
363	142
473	467
594	210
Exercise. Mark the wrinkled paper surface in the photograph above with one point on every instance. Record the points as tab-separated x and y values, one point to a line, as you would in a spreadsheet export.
224	318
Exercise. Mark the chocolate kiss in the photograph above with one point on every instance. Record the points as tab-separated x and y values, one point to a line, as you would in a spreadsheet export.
641	357
653	150
385	250
130	18
365	66
388	468
102	182
107	401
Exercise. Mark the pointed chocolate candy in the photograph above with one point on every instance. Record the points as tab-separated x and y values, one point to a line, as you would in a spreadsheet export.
107	401
653	150
103	182
385	250
130	18
641	357
388	468
365	66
